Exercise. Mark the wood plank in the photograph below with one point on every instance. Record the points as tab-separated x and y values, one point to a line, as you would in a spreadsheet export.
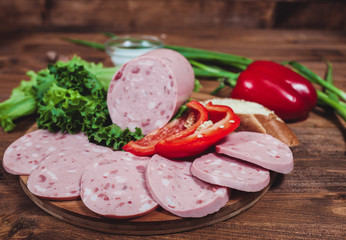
162	15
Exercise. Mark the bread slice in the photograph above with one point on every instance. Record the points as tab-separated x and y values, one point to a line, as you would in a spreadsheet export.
257	118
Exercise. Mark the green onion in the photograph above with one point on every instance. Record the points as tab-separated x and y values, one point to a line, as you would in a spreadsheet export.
225	78
216	57
190	53
204	74
95	45
329	79
200	54
331	99
313	77
218	72
339	107
333	96
197	86
111	35
222	83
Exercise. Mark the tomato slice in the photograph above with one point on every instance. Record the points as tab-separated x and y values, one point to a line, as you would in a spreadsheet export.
175	129
224	121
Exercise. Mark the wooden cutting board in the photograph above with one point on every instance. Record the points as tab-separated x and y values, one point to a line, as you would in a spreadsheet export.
159	221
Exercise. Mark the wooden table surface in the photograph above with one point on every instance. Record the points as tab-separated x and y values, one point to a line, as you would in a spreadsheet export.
308	203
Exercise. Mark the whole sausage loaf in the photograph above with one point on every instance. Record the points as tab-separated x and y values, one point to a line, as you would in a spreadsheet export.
148	90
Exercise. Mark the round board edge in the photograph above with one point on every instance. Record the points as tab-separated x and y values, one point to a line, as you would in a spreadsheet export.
130	227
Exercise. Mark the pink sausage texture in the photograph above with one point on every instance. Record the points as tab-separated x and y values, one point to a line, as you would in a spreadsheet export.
258	148
58	176
230	172
115	187
24	154
176	190
148	90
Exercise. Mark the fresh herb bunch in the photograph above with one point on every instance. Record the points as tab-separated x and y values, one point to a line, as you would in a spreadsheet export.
77	78
77	102
68	97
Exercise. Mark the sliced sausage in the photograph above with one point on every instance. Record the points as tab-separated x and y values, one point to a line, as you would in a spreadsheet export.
176	190
58	176
24	154
230	172
149	89
258	148
115	186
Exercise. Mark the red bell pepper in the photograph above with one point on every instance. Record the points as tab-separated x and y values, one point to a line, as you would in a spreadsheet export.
224	121
176	128
278	88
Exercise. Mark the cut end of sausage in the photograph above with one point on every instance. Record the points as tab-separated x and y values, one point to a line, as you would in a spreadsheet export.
148	90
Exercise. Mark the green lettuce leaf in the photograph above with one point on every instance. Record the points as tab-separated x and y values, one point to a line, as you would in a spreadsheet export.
67	110
22	102
103	74
24	98
113	136
68	97
77	78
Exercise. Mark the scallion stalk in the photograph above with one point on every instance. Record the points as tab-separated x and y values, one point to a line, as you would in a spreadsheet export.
339	107
111	35
323	98
225	78
329	79
190	53
216	57
217	72
313	77
95	45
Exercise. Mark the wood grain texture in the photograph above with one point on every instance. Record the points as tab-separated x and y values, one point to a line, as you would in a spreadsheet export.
163	15
308	203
